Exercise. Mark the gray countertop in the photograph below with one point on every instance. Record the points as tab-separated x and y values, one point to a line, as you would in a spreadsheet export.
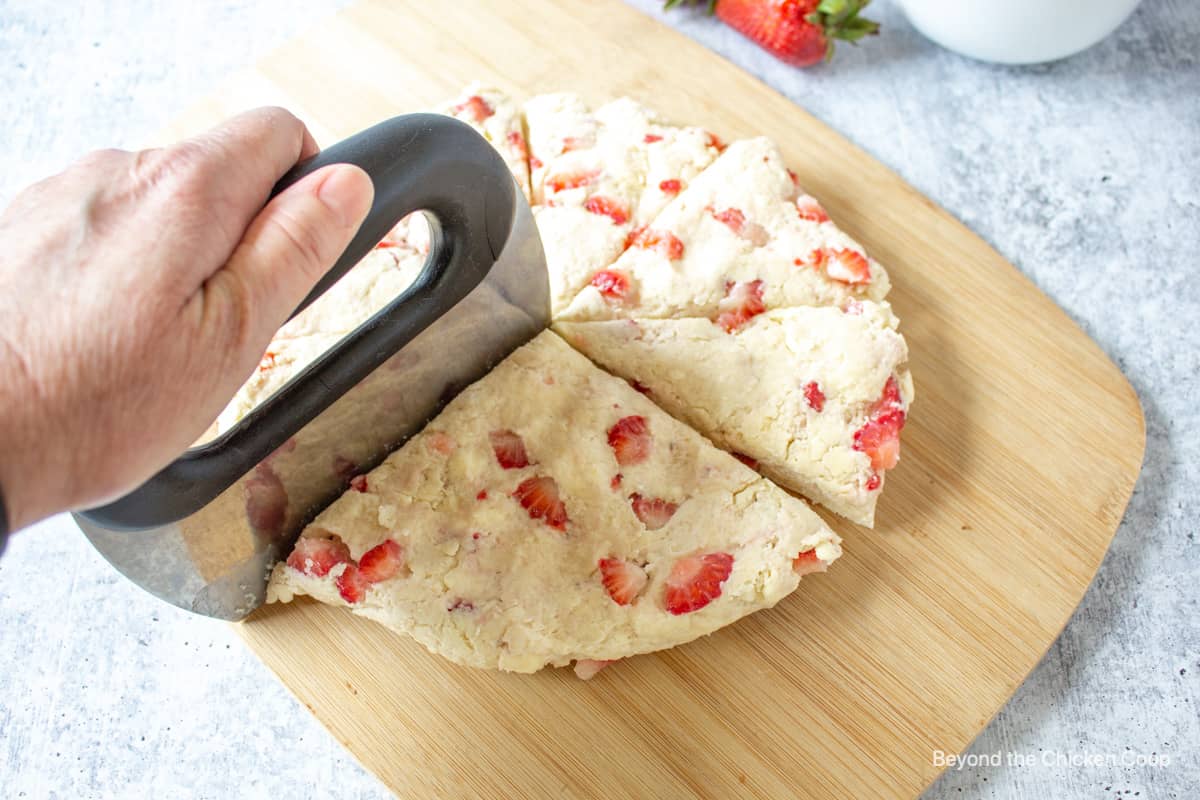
1084	173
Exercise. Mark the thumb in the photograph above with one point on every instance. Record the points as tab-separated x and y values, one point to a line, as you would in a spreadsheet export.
295	239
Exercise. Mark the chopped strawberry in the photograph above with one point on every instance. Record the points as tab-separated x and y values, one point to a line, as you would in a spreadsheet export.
638	386
752	463
586	668
654	512
316	555
879	438
670	186
629	438
714	141
381	562
570	143
889	400
624	580
266	501
535	162
475	108
853	307
651	138
351	584
570	180
742	302
615	483
481	494
874	482
733	218
848	266
666	243
613	284
807	563
810	209
539	497
695	581
517	141
795	179
607	207
440	442
814	396
359	483
461	605
509	449
816	259
385	244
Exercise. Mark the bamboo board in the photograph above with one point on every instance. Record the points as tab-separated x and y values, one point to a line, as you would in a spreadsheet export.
987	536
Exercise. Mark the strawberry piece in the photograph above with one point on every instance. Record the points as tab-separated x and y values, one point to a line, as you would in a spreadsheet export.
810	209
889	400
795	179
517	141
586	668
712	140
607	207
316	555
848	266
385	244
539	497
640	387
665	243
629	439
807	563
623	580
853	307
440	442
509	449
654	512
481	494
475	108
351	584
570	180
816	259
615	483
752	463
651	138
798	32
267	362
814	396
359	483
266	501
733	218
695	581
613	284
874	482
742	302
671	186
879	438
535	162
461	605
570	143
383	561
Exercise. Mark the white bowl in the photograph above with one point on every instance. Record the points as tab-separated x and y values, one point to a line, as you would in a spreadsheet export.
1017	31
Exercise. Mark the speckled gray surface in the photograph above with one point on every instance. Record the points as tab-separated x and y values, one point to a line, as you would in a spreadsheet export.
1084	173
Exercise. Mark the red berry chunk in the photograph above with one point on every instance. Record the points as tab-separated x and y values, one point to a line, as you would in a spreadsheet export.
671	186
539	497
535	162
570	180
714	141
381	562
808	208
481	495
665	243
351	584
509	449
359	483
615	483
651	138
879	438
475	108
607	207
629	439
623	580
874	482
613	284
814	396
742	302
638	386
695	581
848	266
654	512
752	463
733	218
440	442
316	555
517	142
807	563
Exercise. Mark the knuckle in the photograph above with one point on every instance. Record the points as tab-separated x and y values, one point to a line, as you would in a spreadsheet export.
179	169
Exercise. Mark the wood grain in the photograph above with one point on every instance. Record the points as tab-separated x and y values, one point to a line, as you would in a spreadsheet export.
1019	459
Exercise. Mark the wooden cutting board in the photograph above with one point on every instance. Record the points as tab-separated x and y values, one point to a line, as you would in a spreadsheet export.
1019	459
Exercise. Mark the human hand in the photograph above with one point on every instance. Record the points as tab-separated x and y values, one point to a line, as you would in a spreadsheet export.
138	291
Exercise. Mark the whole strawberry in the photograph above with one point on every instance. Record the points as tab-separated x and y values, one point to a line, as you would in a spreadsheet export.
800	32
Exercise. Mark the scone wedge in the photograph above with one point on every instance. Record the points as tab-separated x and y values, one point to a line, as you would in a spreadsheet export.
551	513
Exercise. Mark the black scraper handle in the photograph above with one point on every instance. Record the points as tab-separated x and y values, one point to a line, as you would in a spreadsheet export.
416	161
